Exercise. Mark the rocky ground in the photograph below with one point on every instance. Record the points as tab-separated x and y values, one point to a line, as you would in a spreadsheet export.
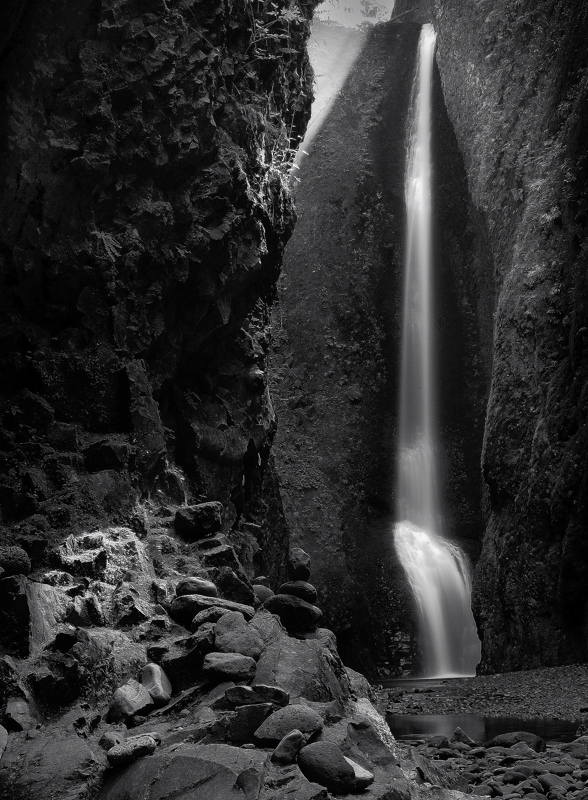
155	665
511	765
558	692
515	765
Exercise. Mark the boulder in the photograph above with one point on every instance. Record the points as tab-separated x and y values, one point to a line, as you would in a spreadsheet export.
182	663
262	593
221	555
295	614
232	634
304	668
154	679
286	782
196	586
111	738
298	564
438	740
200	772
289	747
246	720
550	782
324	763
49	764
229	666
128	607
233	587
194	522
17	715
287	719
14	561
130	699
460	735
212	614
183	609
363	777
535	742
301	589
244	695
65	638
130	750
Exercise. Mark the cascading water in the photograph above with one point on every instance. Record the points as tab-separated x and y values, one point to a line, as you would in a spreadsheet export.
437	570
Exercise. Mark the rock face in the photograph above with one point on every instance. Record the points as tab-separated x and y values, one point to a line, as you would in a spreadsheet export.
336	352
524	146
142	221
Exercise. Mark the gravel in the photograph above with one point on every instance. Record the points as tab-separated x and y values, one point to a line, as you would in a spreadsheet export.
556	692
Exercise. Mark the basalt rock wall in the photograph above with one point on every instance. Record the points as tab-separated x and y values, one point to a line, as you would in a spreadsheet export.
143	213
336	349
515	80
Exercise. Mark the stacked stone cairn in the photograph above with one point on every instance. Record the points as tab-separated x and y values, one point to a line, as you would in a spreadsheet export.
224	649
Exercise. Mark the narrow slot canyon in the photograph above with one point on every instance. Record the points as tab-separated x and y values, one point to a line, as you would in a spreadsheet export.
293	410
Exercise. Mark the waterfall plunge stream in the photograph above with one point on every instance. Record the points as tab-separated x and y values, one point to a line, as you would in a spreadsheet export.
437	570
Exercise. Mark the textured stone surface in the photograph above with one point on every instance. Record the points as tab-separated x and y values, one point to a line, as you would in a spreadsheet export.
242	695
262	593
130	750
229	666
283	782
288	747
196	586
158	192
14	561
201	772
194	522
132	698
298	564
287	719
212	614
185	608
363	777
232	634
154	679
324	763
246	720
524	151
302	589
336	347
304	668
17	715
294	613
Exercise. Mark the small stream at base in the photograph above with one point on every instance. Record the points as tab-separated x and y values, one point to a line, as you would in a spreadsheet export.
479	728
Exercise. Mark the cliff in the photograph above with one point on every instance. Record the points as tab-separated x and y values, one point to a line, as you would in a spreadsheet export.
336	348
143	216
515	78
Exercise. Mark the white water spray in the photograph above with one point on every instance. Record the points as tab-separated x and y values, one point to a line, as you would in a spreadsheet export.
437	570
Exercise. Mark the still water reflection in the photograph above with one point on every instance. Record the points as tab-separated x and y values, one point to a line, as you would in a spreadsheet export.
480	729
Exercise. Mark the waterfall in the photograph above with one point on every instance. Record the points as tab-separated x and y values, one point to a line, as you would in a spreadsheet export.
437	570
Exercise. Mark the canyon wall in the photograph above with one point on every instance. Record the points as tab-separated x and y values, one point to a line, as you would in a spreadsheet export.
336	348
143	214
515	81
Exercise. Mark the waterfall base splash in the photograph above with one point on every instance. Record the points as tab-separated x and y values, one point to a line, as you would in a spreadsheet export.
438	575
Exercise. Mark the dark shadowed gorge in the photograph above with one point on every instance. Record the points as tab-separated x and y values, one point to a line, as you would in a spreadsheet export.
199	395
